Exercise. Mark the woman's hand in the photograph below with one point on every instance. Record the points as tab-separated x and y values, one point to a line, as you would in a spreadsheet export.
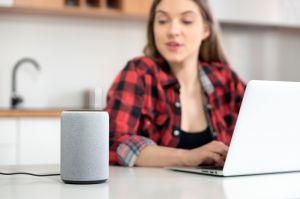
213	153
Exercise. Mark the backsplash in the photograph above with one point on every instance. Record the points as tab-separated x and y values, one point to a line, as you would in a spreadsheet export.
75	55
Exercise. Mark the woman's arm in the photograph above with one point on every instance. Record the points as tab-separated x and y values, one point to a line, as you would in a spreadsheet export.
213	153
159	156
124	105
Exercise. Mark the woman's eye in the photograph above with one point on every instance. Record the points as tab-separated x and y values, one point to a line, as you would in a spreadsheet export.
161	21
187	22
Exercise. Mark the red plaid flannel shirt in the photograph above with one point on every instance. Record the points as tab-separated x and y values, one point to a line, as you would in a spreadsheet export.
144	106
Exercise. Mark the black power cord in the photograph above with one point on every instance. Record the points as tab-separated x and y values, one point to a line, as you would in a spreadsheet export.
32	174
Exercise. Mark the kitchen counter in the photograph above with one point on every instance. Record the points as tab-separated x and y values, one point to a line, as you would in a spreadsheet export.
140	182
30	113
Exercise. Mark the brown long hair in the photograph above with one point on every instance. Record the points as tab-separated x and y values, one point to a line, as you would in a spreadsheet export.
211	49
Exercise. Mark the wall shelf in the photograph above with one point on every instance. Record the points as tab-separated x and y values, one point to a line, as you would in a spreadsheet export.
74	12
115	9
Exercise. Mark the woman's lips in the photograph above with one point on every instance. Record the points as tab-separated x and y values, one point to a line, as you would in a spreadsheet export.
173	46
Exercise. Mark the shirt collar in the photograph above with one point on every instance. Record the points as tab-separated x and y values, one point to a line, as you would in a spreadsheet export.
208	86
167	78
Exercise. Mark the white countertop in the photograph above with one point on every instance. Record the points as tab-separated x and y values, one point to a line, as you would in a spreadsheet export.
145	183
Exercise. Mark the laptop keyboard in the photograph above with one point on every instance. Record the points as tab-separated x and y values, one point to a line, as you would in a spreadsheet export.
211	167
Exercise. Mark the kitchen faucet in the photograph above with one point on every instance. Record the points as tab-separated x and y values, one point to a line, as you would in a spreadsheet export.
16	99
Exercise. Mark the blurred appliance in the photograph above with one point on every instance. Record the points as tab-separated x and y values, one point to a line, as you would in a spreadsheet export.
96	98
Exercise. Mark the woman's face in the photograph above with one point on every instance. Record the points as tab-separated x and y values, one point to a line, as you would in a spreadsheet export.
179	30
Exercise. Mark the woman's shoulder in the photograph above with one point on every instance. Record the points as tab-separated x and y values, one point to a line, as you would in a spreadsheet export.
216	66
220	71
142	64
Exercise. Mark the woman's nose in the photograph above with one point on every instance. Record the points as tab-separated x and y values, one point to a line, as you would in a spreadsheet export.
174	29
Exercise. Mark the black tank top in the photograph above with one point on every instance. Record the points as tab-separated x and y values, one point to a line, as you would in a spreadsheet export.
194	140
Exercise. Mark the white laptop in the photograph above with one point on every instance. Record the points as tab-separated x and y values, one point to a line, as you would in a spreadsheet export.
266	137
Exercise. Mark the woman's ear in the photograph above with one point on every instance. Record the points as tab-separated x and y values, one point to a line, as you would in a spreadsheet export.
206	31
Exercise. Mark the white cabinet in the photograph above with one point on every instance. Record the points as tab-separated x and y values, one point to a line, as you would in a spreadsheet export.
29	141
39	141
266	12
254	11
8	130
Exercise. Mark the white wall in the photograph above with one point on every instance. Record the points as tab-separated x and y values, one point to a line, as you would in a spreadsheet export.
262	37
268	53
75	54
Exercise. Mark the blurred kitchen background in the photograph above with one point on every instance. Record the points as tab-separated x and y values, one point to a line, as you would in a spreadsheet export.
78	52
83	44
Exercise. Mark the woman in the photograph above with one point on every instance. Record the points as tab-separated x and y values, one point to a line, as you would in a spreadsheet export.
178	105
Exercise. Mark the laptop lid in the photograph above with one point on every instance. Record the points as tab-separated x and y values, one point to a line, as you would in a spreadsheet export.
266	138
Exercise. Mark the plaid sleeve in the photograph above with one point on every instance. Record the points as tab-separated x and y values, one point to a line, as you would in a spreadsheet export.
129	150
124	105
239	90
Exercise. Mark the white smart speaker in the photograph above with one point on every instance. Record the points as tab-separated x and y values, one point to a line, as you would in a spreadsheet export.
84	147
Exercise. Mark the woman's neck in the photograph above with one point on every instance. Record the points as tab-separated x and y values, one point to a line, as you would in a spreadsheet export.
186	73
